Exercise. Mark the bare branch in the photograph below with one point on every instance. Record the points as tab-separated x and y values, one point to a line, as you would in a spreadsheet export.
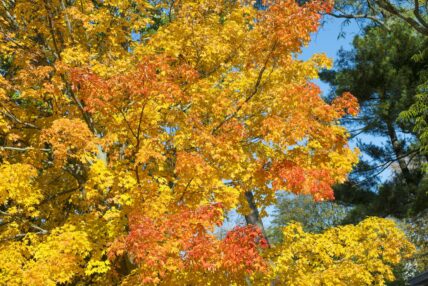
24	149
41	230
380	9
11	116
358	16
418	15
387	6
21	236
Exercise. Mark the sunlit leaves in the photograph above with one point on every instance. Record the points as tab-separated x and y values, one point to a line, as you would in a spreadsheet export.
358	255
166	247
18	189
135	126
70	139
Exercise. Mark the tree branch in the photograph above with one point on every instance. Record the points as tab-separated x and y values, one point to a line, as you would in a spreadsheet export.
22	235
252	94
54	196
52	30
387	6
41	230
24	149
358	16
14	118
418	15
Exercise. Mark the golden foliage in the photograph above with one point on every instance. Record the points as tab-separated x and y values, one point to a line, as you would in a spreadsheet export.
128	129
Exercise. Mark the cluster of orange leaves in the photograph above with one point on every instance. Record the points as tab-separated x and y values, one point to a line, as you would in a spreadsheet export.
153	242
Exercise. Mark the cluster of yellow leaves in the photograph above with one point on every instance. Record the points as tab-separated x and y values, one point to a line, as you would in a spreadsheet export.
59	259
348	255
99	181
18	189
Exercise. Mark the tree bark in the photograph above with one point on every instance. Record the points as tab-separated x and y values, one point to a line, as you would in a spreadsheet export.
398	152
254	217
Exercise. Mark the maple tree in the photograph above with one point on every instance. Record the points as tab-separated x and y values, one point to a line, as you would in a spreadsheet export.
130	128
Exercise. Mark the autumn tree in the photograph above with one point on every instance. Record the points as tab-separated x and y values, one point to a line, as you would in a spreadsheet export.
129	129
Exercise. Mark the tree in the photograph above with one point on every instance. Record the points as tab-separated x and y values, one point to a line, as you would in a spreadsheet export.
314	216
130	127
341	256
417	229
383	75
416	115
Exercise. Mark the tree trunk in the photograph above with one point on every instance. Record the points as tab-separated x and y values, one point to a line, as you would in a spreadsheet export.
254	217
398	152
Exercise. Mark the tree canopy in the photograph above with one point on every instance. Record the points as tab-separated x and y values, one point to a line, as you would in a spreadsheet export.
129	129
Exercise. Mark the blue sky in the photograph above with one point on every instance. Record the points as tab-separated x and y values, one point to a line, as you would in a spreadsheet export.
327	41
